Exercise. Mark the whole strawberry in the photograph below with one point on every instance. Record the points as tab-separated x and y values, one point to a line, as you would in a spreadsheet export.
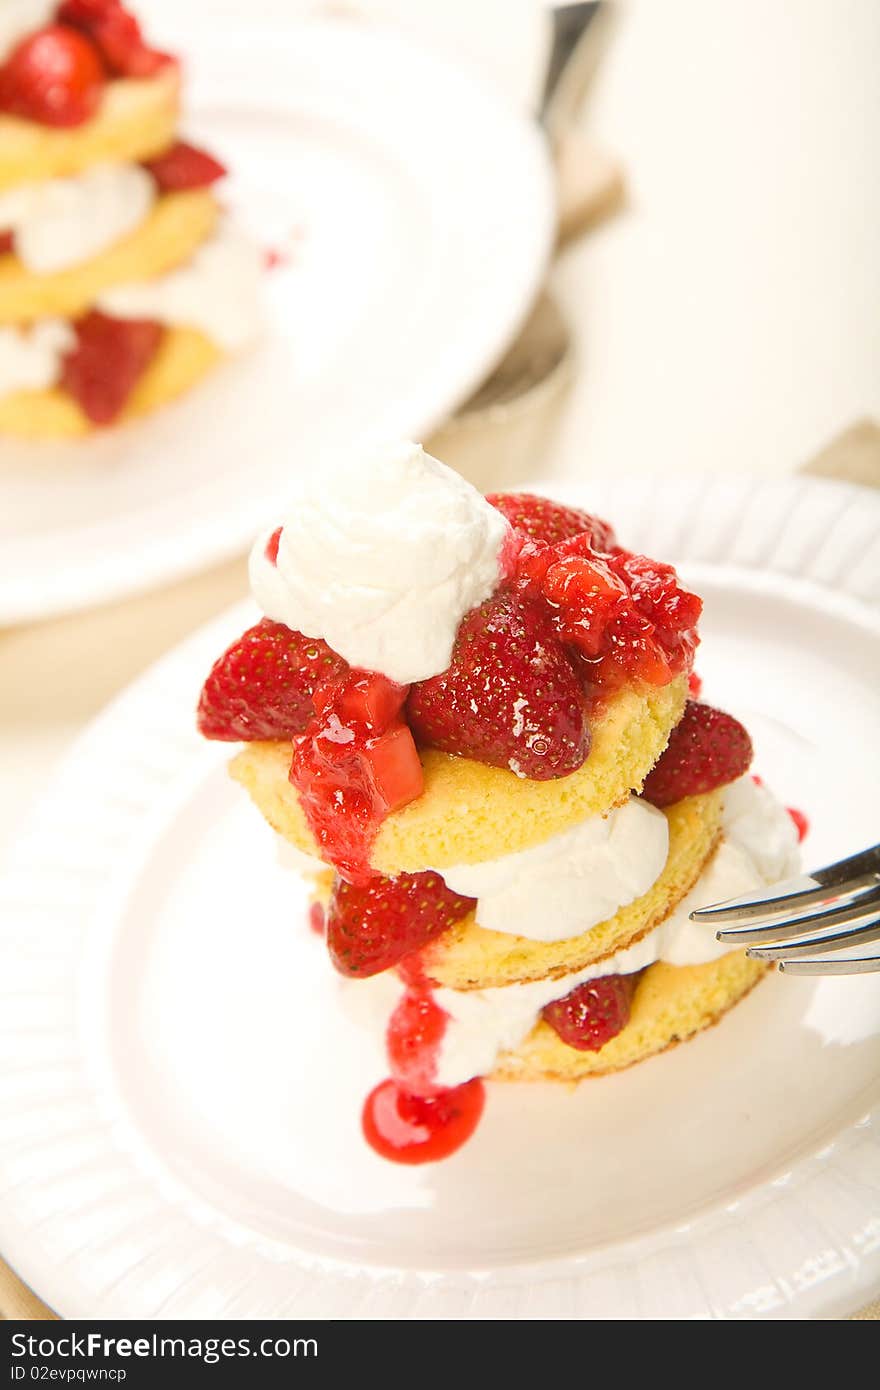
545	520
593	1013
510	696
262	687
55	77
706	749
373	925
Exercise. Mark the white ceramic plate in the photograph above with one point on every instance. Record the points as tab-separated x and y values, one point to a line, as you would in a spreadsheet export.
421	209
180	1092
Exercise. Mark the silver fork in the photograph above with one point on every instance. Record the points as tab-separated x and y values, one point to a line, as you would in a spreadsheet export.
807	920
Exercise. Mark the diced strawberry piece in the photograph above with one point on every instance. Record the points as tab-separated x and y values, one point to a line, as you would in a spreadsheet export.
353	765
510	696
372	699
549	521
262	687
117	34
373	925
7	243
594	1012
184	166
391	763
54	76
706	749
624	615
110	357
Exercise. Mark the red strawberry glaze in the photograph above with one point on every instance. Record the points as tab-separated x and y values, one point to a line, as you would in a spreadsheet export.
354	764
802	825
7	243
415	1032
695	686
421	1129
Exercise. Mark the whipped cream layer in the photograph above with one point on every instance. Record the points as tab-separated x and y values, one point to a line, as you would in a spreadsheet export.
18	18
571	882
217	291
62	222
382	558
30	358
759	848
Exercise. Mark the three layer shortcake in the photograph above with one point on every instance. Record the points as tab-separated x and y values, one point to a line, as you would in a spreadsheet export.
122	280
471	718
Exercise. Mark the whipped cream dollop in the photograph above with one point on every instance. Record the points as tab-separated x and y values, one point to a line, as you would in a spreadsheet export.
217	291
571	882
382	558
30	358
18	18
759	848
62	222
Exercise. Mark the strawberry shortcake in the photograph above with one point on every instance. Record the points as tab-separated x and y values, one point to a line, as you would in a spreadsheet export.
122	279
477	718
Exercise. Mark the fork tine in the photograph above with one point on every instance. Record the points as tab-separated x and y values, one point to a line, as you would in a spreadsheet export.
811	945
830	965
759	905
833	912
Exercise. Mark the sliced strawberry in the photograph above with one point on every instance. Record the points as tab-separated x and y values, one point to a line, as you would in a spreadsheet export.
510	696
110	357
593	1013
184	166
549	521
7	243
706	749
373	925
262	687
117	35
55	77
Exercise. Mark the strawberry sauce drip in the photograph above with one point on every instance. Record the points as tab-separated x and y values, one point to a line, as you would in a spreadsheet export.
802	825
7	243
421	1129
409	1118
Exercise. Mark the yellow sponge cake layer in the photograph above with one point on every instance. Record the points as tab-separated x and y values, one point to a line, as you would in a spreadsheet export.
670	1005
136	120
469	812
175	227
184	357
468	957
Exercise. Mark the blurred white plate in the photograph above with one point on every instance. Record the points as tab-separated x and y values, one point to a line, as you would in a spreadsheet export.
423	214
180	1091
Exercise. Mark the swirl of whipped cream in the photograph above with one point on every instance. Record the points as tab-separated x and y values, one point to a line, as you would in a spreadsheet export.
382	558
